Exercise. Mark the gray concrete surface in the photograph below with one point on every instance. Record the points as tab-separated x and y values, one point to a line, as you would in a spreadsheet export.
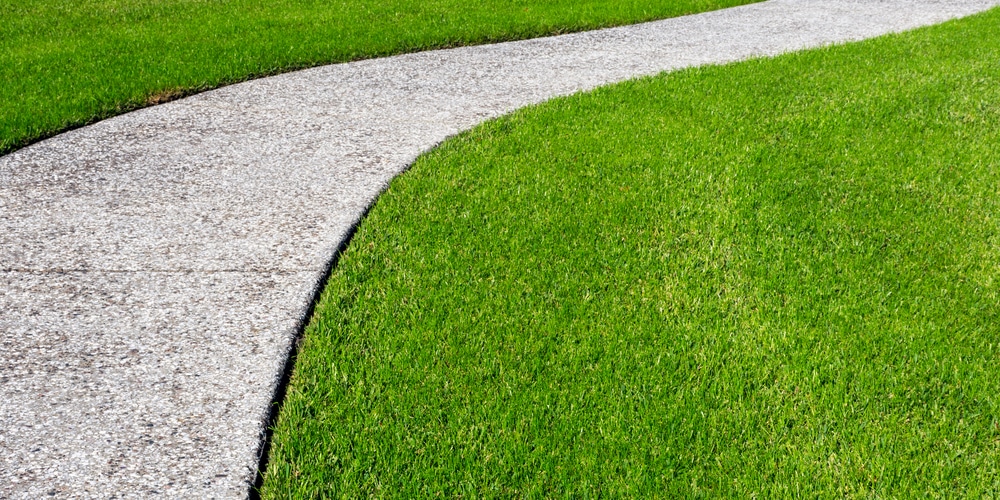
154	267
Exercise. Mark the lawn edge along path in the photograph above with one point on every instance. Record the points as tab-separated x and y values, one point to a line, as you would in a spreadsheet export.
157	266
70	64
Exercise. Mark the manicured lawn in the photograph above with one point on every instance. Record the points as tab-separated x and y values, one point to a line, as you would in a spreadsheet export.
774	278
68	62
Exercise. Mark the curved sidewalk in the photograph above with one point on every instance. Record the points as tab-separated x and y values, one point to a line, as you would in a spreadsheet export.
155	267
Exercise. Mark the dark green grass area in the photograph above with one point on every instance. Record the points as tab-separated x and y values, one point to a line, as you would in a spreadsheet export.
775	278
68	62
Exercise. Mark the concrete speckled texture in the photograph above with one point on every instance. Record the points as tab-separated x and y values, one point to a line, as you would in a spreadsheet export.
155	267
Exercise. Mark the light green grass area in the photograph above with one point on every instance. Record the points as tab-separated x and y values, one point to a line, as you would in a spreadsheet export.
68	62
775	278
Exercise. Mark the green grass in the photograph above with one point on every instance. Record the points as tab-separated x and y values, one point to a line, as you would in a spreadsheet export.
775	278
64	63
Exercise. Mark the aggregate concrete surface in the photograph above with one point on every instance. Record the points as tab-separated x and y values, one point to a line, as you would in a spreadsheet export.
155	267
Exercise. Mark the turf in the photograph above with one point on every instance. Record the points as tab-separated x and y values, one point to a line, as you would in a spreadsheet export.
65	63
769	279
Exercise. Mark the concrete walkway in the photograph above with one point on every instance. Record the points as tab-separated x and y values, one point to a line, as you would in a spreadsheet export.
155	267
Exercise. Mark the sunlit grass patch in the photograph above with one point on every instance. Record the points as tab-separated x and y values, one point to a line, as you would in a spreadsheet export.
767	279
68	62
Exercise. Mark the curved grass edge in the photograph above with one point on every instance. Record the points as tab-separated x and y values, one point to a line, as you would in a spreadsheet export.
921	85
109	60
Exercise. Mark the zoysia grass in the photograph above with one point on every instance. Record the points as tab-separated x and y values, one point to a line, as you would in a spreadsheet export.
774	278
65	63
